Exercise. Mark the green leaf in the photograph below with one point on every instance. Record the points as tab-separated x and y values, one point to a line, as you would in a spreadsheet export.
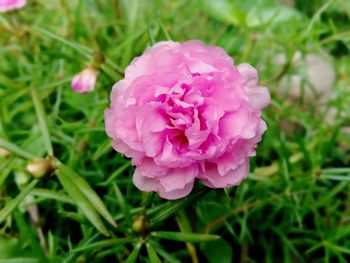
102	149
105	243
165	31
335	177
185	227
80	103
175	206
6	24
40	112
75	216
86	207
6	211
262	15
223	10
27	234
113	74
339	249
164	253
117	172
134	254
77	47
185	237
88	192
15	149
152	254
217	251
20	260
5	170
122	203
132	12
9	247
331	171
50	194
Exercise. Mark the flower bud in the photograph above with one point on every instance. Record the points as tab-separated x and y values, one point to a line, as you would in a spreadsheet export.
39	168
4	153
85	81
140	224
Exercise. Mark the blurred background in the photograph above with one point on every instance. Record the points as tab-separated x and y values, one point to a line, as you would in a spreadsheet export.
294	207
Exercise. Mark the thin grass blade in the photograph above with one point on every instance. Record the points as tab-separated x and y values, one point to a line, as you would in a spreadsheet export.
50	194
81	201
134	254
177	205
88	192
103	244
6	211
185	237
15	149
152	254
40	112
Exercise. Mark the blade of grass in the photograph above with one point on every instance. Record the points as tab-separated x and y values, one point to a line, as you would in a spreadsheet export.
102	149
176	206
22	260
185	237
6	211
152	254
165	254
184	226
40	112
331	171
105	243
121	201
88	192
82	202
5	23
75	216
87	52
335	177
134	254
50	194
4	173
15	149
165	31
117	172
317	15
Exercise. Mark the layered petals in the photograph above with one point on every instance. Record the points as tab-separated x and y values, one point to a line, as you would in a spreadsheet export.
7	5
183	112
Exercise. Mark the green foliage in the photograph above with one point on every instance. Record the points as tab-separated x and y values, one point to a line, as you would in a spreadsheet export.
294	207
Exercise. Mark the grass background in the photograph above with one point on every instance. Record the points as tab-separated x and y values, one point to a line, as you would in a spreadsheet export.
294	207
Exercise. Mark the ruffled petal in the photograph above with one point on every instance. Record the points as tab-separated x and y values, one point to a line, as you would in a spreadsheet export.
178	178
213	179
183	112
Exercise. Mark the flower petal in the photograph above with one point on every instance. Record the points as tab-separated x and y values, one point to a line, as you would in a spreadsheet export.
213	179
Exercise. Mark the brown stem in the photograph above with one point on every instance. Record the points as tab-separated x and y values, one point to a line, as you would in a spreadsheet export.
34	216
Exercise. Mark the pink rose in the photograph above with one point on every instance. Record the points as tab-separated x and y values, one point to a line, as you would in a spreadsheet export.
7	5
85	81
185	111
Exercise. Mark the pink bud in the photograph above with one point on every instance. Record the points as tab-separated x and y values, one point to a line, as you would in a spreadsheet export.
85	81
7	5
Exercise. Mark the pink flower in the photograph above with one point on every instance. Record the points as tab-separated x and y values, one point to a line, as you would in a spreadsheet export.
85	81
186	112
7	5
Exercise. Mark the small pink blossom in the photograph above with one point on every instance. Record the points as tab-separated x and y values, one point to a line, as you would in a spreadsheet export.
185	111
85	81
7	5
